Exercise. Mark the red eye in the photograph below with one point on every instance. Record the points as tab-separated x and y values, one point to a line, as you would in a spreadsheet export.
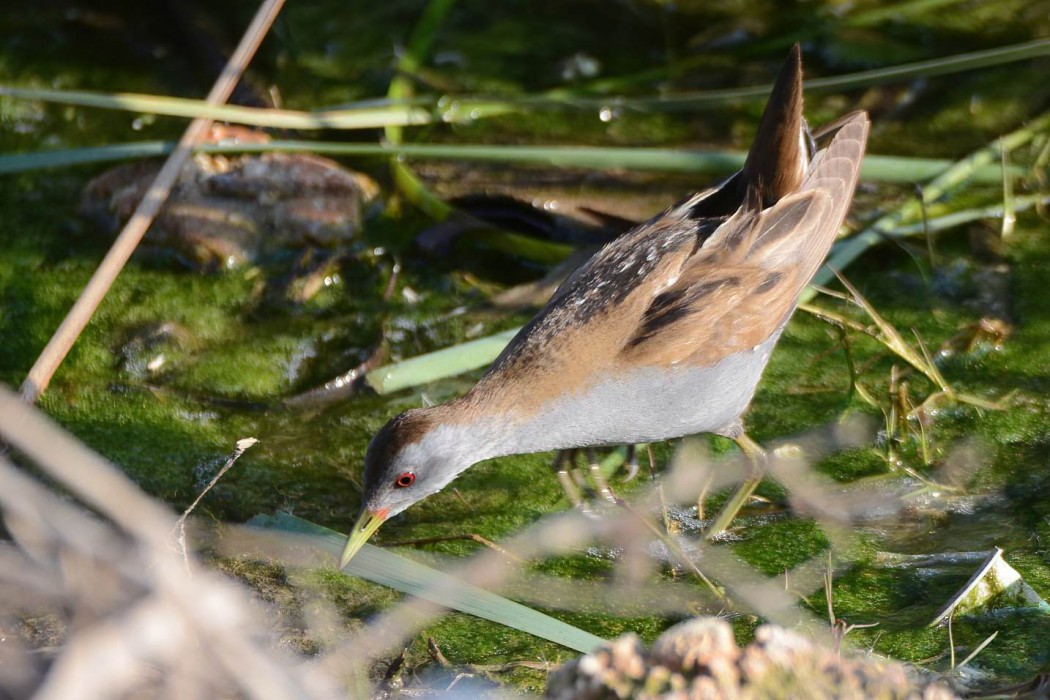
405	480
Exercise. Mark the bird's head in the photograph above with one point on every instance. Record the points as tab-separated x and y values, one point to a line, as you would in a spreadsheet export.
410	458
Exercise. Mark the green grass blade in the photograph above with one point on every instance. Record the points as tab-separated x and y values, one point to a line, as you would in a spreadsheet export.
895	11
964	170
373	114
423	35
715	163
945	65
368	116
401	88
957	218
439	364
670	102
388	569
525	247
60	158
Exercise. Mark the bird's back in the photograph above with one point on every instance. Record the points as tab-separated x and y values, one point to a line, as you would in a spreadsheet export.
709	282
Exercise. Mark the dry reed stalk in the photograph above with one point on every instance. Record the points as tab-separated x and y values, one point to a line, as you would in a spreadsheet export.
129	617
76	320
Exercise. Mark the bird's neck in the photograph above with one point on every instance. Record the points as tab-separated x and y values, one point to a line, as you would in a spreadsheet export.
474	428
483	425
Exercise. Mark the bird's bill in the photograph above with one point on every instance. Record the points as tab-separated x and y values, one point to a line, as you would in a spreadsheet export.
365	526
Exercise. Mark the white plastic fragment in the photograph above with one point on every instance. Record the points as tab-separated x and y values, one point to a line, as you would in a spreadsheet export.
994	578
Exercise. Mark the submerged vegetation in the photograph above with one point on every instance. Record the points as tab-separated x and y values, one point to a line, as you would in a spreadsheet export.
591	116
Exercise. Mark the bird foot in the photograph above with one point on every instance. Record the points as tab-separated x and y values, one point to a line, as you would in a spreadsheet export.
739	499
577	483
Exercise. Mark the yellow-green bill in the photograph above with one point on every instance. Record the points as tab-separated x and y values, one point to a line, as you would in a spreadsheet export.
365	526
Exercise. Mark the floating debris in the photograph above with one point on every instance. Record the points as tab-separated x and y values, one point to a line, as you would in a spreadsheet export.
226	212
994	582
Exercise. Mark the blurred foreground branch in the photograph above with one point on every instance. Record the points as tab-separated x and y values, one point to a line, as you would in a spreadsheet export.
124	613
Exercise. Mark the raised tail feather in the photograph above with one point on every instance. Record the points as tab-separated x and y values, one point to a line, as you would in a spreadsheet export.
776	163
800	228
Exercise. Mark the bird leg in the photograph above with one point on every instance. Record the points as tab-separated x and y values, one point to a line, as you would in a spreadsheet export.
757	456
631	460
652	461
578	477
574	481
600	483
564	464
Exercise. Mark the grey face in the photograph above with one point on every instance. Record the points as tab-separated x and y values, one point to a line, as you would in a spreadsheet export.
390	481
405	463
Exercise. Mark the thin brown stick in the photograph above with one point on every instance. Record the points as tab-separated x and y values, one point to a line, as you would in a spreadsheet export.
435	653
473	537
180	525
71	327
215	622
441	660
674	549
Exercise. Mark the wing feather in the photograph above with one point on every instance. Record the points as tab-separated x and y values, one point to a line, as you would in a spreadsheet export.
743	282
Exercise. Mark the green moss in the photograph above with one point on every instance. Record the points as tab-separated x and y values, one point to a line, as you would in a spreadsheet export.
852	464
236	354
781	546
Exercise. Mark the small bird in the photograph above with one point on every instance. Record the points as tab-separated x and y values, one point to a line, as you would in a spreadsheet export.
664	332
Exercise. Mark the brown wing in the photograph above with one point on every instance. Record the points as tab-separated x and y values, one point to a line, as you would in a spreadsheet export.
744	282
835	169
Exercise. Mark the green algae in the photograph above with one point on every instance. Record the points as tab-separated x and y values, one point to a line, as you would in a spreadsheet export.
780	546
237	357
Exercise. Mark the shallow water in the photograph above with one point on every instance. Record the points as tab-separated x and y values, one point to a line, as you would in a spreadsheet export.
236	354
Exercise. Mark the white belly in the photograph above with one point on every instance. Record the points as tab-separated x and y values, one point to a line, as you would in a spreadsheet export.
648	404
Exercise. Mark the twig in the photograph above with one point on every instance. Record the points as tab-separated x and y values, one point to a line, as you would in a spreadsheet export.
180	526
452	538
951	179
980	647
441	660
951	639
392	677
58	347
1009	209
839	628
343	387
675	549
204	619
435	652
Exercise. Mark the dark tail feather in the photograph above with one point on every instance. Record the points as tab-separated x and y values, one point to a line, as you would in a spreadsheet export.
774	164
